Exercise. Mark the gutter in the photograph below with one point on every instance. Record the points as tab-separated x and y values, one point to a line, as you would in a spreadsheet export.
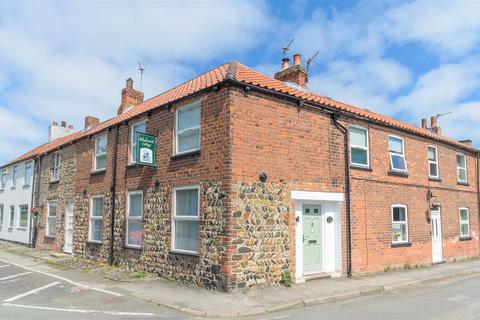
113	195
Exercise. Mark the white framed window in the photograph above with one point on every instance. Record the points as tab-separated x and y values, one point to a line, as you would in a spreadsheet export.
23	216
96	219
51	219
1	214
136	127
399	223
100	158
396	148
359	146
464	222
134	219
433	171
27	179
462	168
11	222
14	176
186	219
187	129
3	177
57	163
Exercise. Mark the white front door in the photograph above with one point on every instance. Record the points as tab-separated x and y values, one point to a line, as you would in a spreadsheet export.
437	255
68	247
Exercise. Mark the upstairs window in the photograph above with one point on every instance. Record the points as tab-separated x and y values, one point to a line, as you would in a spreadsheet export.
100	161
399	224
51	219
14	176
187	129
464	223
1	215
359	147
28	173
186	219
96	219
134	219
23	216
433	162
3	179
11	222
397	153
462	168
138	127
56	167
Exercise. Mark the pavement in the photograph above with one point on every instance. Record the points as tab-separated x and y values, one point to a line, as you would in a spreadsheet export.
195	302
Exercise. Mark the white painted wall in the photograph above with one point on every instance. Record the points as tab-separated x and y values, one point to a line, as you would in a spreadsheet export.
20	194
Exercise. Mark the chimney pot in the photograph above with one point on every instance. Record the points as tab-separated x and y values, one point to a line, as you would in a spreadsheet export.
70	126
433	122
285	63
54	123
63	124
129	84
424	123
296	59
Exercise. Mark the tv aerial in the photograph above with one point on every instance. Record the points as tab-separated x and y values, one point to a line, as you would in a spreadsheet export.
443	114
309	60
285	49
141	69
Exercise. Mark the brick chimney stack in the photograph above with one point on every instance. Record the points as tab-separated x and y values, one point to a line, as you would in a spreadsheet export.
424	123
130	97
295	76
90	121
434	125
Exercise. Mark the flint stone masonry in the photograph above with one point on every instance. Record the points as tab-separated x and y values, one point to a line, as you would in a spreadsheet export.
260	226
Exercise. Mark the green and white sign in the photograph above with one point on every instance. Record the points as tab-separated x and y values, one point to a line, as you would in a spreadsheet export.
146	149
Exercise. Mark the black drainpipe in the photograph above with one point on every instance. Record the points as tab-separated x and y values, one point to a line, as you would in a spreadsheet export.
33	203
113	193
478	185
335	117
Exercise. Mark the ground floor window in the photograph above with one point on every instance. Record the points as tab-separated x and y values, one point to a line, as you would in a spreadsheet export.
464	222
23	220
1	214
399	224
11	222
96	219
186	217
51	219
134	219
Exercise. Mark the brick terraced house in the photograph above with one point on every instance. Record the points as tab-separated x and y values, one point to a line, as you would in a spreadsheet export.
256	180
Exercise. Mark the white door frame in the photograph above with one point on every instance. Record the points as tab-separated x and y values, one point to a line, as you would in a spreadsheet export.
331	207
439	214
70	250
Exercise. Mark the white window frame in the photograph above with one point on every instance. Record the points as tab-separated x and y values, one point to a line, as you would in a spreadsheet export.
91	218
20	216
397	154
14	176
464	221
178	132
184	218
28	164
57	164
2	211
460	168
354	146
433	162
3	179
134	218
96	155
400	222
47	224
132	138
11	222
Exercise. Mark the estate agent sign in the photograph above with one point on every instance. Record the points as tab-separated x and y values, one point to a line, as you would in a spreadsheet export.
146	149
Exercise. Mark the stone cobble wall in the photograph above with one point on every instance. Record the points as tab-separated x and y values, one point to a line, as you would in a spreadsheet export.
261	240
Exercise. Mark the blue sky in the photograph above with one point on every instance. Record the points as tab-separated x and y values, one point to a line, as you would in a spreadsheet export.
65	60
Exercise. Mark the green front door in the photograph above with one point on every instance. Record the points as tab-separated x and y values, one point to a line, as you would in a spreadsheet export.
312	239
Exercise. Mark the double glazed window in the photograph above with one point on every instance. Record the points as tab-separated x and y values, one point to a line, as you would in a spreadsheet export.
56	167
433	162
187	129
28	173
96	219
397	154
11	222
462	168
186	218
14	176
138	127
359	147
100	153
23	216
399	224
134	219
51	219
464	223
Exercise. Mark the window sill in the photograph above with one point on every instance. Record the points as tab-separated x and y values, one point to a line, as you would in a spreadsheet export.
460	183
54	182
132	247
49	237
355	167
26	186
401	244
13	188
22	228
185	253
94	242
186	154
466	238
398	174
95	172
434	179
